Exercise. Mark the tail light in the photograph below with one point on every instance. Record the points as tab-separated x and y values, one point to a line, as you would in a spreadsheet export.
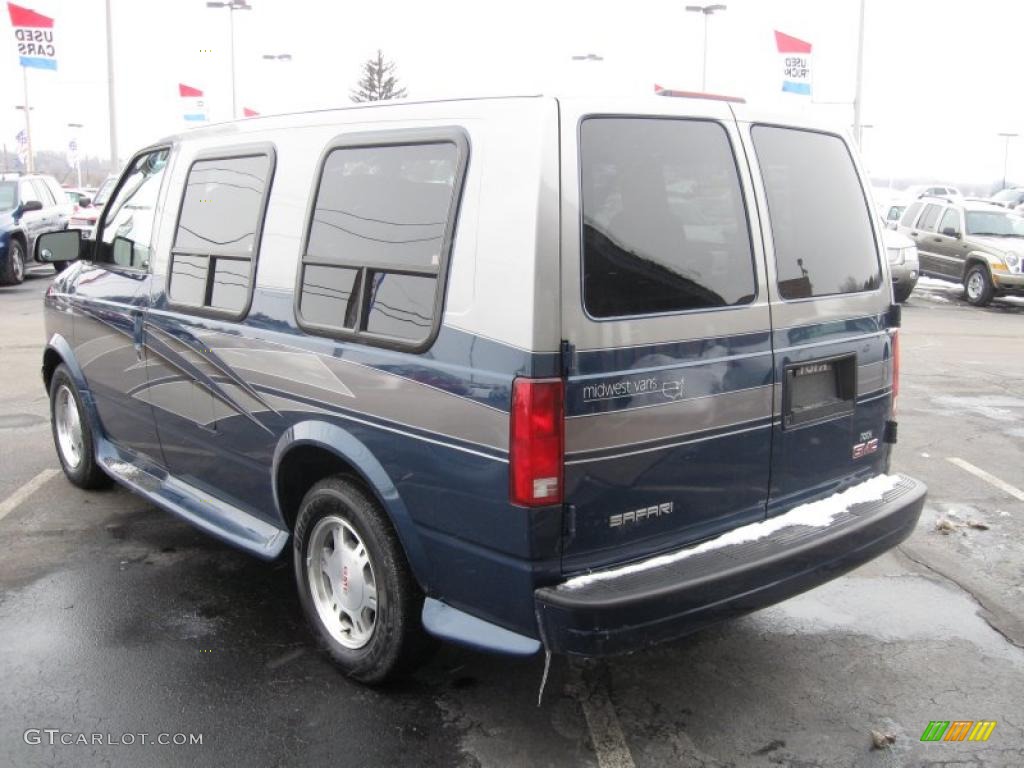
895	365
536	442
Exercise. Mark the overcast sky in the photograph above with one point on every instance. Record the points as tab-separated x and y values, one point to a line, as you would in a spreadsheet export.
940	79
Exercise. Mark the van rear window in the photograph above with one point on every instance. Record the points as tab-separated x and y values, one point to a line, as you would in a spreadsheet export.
664	223
821	225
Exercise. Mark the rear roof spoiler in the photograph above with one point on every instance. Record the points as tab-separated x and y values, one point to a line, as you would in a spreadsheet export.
658	90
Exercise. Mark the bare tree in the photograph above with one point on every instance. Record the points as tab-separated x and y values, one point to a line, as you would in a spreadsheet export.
378	82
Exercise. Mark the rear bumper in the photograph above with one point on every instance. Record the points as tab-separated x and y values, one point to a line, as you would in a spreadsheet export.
639	608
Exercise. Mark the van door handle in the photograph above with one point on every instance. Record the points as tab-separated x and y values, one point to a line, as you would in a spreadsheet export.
137	335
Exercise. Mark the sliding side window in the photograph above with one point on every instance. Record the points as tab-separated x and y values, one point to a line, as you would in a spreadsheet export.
379	237
213	261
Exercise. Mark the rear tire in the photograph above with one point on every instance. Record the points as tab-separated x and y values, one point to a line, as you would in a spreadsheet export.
344	550
13	272
901	294
72	435
978	289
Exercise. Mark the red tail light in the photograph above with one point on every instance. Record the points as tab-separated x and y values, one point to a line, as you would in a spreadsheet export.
895	364
536	442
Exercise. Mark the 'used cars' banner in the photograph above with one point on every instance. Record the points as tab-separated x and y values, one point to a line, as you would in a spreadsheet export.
195	104
796	64
33	33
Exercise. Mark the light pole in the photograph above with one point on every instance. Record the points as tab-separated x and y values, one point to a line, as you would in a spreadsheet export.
232	6
707	10
1006	152
114	165
75	128
860	76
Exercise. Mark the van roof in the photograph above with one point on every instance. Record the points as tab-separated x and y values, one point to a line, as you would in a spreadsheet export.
647	103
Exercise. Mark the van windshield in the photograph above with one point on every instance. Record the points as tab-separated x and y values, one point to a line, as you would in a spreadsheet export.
8	195
664	223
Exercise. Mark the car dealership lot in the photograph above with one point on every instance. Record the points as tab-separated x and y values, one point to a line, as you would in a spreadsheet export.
118	619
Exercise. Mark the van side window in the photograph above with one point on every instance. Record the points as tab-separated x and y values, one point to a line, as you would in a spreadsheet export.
820	221
125	238
910	214
378	241
664	223
213	260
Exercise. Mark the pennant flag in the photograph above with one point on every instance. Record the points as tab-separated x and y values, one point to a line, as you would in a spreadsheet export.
195	104
33	33
246	112
795	58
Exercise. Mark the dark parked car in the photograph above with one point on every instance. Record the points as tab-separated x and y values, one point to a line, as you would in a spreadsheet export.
971	242
29	206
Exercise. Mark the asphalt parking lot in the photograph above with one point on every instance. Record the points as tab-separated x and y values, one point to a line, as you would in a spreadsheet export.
117	618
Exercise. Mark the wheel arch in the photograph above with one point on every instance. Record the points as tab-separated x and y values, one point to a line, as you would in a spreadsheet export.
976	257
313	450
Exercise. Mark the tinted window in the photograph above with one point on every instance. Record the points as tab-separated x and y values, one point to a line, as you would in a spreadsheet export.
950	220
929	218
824	241
378	238
127	235
217	237
910	214
664	224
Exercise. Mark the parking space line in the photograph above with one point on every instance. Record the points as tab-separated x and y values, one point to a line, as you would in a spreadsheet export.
11	502
603	723
1002	485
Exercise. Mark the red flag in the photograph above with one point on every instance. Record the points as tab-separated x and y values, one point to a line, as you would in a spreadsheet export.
26	17
787	44
186	91
246	112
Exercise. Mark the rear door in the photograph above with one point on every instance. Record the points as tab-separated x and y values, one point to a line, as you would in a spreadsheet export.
666	326
830	302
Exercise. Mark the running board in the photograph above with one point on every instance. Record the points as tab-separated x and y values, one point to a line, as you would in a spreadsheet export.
228	523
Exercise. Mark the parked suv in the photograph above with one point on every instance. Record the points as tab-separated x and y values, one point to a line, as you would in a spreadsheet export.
971	242
29	206
521	373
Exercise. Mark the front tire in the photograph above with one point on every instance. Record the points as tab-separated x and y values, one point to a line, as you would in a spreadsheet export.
355	585
13	272
72	435
978	289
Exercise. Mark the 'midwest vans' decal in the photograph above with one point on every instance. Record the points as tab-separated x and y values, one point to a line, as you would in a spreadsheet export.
614	388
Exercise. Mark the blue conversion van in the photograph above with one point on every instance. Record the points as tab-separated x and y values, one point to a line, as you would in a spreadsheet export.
574	375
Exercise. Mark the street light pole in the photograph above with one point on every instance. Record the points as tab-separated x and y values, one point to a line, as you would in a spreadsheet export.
110	95
232	6
1006	152
860	76
707	10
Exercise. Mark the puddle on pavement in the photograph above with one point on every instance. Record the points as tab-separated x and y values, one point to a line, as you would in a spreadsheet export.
889	608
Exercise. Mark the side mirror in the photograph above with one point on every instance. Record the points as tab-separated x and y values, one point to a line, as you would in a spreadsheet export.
950	232
59	246
31	205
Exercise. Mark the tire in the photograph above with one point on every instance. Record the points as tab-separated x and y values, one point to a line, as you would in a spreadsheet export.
978	289
66	411
369	644
901	294
13	272
60	266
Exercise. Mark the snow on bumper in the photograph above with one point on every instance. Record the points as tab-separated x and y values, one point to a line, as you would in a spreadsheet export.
626	608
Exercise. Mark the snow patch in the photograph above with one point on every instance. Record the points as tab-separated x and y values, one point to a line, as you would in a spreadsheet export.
815	514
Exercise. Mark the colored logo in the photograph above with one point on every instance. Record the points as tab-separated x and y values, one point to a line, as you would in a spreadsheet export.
958	730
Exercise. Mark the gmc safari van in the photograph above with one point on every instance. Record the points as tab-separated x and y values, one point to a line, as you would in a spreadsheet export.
520	373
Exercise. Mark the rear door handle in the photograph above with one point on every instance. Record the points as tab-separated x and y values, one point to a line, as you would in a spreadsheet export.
137	335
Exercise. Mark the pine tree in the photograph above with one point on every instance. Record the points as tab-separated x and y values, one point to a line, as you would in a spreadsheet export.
378	82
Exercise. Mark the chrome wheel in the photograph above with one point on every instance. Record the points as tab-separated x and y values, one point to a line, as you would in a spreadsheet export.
69	427
975	285
342	582
17	263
